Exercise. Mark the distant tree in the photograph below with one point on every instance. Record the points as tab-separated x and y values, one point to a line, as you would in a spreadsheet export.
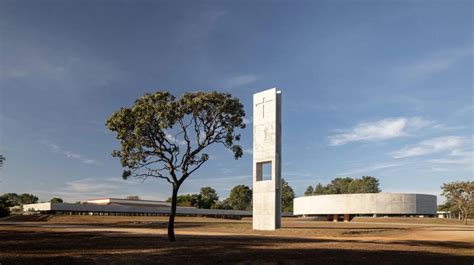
10	199
56	200
339	186
240	198
207	198
222	205
186	200
366	184
309	191
370	184
2	160
461	194
133	197
165	138
26	198
4	206
319	189
287	196
346	185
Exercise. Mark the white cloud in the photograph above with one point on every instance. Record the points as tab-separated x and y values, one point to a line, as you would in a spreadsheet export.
58	150
248	151
90	188
240	80
457	157
430	146
436	63
379	130
372	168
174	140
66	71
247	121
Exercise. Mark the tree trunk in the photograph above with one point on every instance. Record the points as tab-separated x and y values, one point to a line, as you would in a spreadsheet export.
174	202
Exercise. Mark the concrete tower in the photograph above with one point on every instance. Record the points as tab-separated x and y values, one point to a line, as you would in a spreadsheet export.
267	160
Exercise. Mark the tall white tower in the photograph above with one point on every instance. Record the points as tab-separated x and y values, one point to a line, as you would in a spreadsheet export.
267	160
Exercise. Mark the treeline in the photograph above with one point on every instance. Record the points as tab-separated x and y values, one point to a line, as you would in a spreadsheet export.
240	198
9	200
366	184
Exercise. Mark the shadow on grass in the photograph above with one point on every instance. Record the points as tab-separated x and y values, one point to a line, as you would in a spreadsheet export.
124	248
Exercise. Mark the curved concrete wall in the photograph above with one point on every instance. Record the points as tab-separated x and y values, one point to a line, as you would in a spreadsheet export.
366	203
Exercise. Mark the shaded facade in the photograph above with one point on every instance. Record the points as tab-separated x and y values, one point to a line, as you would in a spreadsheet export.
365	204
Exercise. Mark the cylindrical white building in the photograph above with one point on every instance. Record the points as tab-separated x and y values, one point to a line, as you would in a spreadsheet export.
386	204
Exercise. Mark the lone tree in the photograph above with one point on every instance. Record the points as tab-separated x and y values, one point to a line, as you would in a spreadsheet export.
240	198
460	194
207	198
56	200
164	137
287	196
309	191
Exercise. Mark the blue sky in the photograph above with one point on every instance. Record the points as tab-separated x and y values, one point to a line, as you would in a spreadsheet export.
380	88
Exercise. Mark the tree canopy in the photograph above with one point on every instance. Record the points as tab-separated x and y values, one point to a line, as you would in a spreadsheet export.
186	200
460	194
13	199
4	207
56	200
2	160
207	198
346	185
287	196
240	198
164	137
309	191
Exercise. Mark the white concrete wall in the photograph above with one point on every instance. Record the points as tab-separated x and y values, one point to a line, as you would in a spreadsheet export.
267	148
37	207
74	207
366	203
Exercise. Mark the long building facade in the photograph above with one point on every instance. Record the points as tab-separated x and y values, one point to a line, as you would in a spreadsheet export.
112	206
119	207
365	204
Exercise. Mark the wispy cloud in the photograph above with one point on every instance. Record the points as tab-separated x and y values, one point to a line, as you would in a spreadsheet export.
58	70
58	150
372	168
89	188
430	146
248	151
379	130
435	63
240	80
175	140
457	157
247	121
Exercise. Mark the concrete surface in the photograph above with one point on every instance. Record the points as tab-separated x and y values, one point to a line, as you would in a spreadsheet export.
366	203
267	150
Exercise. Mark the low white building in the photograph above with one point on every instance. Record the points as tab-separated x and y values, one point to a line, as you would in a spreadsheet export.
365	204
112	206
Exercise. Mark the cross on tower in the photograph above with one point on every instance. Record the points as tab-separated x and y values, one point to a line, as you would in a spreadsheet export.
263	105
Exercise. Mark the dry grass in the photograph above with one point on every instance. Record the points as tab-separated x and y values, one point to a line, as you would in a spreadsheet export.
142	240
415	220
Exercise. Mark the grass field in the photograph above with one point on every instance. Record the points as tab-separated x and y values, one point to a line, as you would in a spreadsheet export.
142	240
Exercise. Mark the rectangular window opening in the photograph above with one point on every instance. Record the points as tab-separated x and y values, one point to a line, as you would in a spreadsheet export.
264	171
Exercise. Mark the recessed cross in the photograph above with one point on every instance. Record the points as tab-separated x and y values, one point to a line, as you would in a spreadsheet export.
263	105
